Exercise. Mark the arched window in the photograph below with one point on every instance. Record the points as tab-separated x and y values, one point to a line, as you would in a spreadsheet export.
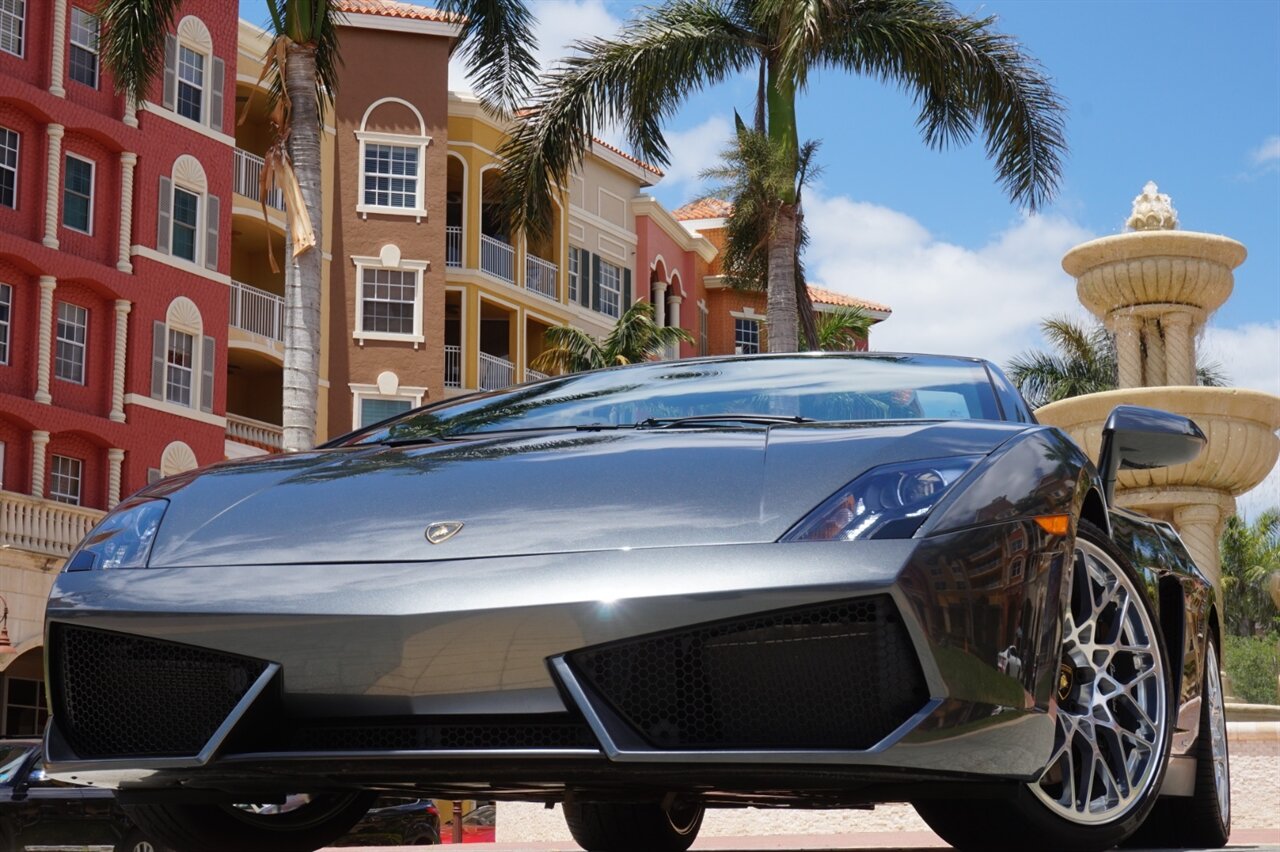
177	457
182	358
393	166
193	76
187	221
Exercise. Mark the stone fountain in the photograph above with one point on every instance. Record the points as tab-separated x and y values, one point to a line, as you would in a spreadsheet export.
1154	287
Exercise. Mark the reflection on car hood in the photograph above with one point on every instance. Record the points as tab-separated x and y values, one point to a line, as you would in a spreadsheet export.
549	492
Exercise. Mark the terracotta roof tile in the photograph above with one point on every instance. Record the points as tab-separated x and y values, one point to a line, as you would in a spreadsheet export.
831	297
704	208
621	153
396	9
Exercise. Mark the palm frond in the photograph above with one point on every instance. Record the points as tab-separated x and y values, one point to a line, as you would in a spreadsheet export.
569	350
842	329
1211	374
497	44
131	42
635	80
965	77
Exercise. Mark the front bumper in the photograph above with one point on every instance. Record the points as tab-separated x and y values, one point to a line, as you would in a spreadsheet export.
487	662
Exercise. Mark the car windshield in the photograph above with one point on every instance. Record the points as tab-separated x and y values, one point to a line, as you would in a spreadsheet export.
730	391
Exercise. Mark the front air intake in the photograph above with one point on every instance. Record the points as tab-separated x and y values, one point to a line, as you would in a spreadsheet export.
840	675
119	695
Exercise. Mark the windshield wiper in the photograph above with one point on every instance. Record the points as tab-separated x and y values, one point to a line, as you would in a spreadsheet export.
706	419
410	440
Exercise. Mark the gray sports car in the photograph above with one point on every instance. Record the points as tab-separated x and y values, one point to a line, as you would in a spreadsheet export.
773	581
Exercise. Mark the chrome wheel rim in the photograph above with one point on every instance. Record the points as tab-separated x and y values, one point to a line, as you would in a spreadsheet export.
683	816
1218	735
1111	697
298	811
143	846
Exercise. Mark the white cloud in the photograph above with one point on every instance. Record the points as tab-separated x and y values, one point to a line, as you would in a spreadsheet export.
692	152
1248	354
1268	152
1265	496
946	298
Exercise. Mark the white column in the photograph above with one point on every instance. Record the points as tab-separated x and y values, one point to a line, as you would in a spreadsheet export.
115	458
1200	526
1153	339
130	111
127	161
1179	349
660	303
39	443
117	366
44	339
52	179
1126	328
59	52
675	323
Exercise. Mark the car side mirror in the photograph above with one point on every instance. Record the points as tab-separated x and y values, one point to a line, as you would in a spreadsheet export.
1137	438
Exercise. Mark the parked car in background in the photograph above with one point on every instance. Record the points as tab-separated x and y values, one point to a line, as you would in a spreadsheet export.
396	821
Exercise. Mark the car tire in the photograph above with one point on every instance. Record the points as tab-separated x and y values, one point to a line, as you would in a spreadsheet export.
633	826
136	841
1115	709
1204	819
217	828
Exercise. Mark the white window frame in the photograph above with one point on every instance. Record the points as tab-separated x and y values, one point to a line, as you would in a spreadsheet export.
193	371
201	203
605	290
93	178
361	392
417	267
737	345
15	168
54	476
419	209
179	82
91	49
6	324
575	273
82	345
18	22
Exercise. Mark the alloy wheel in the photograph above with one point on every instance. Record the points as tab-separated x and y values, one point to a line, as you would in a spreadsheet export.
1218	734
1111	697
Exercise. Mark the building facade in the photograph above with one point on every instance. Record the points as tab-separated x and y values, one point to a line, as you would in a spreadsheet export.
114	253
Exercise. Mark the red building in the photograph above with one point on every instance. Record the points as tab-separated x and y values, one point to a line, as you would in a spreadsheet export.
679	270
114	259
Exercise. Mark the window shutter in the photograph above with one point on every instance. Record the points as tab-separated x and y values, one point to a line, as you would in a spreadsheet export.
170	71
164	216
159	358
215	94
593	297
206	373
211	232
626	290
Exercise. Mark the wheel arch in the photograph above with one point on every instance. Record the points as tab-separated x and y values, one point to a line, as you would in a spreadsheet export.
1094	509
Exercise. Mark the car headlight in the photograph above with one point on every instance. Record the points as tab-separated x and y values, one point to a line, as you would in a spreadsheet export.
885	502
122	539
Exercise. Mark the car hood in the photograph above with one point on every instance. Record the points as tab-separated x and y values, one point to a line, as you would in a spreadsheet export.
520	494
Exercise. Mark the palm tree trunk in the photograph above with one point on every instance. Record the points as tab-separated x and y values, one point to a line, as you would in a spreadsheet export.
783	320
302	273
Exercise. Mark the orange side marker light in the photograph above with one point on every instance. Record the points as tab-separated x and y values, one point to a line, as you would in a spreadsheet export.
1054	524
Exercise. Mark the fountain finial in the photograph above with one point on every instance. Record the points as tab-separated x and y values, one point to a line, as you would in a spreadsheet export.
1152	211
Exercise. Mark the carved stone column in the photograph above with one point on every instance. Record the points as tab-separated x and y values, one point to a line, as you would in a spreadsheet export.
44	339
1200	525
1179	349
115	460
1128	349
127	161
118	364
660	303
675	323
1153	340
53	177
130	111
59	53
39	443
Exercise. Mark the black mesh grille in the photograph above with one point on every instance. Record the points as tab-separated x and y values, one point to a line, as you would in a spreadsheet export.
119	695
415	735
841	675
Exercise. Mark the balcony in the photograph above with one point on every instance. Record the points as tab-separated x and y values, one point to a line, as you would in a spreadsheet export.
255	433
452	366
531	374
540	277
248	179
43	526
498	258
453	246
495	372
257	311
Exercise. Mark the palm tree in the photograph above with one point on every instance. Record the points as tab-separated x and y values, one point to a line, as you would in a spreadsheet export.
634	338
842	329
302	67
1083	361
1250	555
965	76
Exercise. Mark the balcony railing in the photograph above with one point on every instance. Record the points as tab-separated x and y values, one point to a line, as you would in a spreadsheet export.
248	179
452	366
540	277
43	526
531	374
246	430
257	311
498	258
495	372
453	245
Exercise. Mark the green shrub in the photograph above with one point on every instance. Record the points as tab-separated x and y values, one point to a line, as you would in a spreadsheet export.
1253	664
